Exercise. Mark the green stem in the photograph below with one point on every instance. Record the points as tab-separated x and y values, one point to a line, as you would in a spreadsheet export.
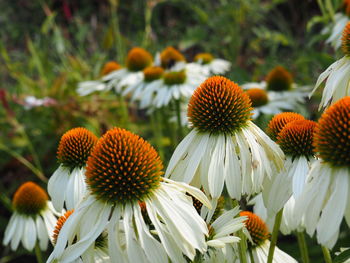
116	31
242	247
24	161
303	247
326	255
148	28
38	254
178	119
124	113
157	132
251	256
274	236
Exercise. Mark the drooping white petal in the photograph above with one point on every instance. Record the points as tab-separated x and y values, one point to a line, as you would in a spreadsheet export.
333	211
76	188
29	234
57	186
10	229
42	234
18	233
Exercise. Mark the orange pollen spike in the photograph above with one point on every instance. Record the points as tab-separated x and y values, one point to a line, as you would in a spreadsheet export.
256	226
59	224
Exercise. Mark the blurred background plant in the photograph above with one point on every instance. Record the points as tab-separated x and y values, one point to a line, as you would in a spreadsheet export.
48	46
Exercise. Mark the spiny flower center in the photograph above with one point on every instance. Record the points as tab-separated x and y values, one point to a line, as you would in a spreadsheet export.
174	77
169	57
59	224
279	79
138	59
258	97
219	106
123	168
109	67
279	121
75	147
346	6
346	40
204	58
30	199
257	228
296	138
153	73
332	134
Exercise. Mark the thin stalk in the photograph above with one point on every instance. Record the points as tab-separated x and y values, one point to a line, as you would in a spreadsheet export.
303	247
178	119
38	254
276	227
148	28
251	256
157	132
124	113
326	255
116	31
242	247
24	161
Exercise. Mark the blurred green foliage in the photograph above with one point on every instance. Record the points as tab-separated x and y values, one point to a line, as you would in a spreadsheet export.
48	46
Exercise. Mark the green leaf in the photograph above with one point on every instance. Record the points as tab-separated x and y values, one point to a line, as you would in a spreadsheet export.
342	257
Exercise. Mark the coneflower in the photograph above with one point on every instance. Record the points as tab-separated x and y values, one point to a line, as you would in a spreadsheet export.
66	186
90	86
224	146
122	172
211	65
337	75
33	219
325	198
258	241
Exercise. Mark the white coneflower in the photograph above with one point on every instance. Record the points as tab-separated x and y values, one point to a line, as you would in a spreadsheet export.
137	60
169	57
67	184
335	28
259	241
123	171
97	252
177	83
326	196
224	147
88	87
150	81
295	140
33	219
337	75
211	65
278	93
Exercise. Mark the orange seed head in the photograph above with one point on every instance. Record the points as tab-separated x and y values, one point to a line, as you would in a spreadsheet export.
296	138
258	97
174	77
332	134
279	121
219	106
75	147
138	59
109	67
346	40
123	168
279	79
204	58
30	199
153	73
257	228
59	224
169	56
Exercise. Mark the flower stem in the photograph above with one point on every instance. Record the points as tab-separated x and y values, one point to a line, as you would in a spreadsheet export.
242	248
326	255
24	161
124	113
38	254
303	247
178	118
276	227
251	256
157	132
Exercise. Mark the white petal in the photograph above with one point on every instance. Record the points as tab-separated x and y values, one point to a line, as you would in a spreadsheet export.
42	233
57	186
29	235
76	188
